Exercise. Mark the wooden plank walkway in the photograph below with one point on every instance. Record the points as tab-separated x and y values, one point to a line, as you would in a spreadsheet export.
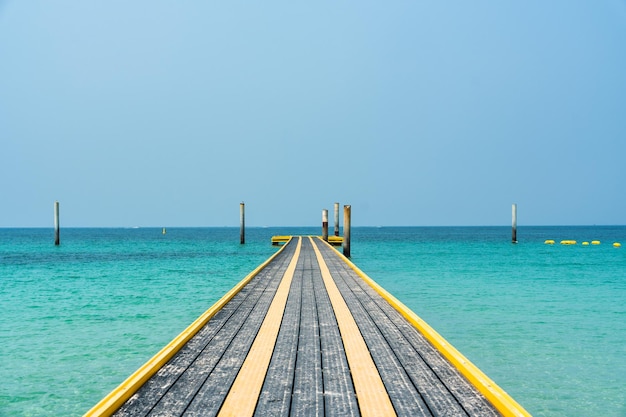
307	335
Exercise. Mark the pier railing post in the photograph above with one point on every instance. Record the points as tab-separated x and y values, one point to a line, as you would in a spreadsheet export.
346	230
514	223
242	223
336	219
325	225
57	232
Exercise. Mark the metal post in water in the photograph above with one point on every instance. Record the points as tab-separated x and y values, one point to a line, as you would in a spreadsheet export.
336	219
514	221
57	232
346	230
242	223
325	225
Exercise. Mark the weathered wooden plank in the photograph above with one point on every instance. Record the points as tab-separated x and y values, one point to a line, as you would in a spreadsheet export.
307	396
389	352
472	401
339	395
372	396
406	400
275	396
242	398
444	390
215	387
142	402
174	386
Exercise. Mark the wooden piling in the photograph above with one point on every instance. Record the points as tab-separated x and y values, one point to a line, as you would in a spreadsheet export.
346	230
514	223
57	232
336	219
242	223
325	225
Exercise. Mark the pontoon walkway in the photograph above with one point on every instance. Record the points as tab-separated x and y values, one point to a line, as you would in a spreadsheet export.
308	334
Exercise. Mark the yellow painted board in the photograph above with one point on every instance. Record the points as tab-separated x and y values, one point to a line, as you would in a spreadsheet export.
244	393
372	396
503	402
116	398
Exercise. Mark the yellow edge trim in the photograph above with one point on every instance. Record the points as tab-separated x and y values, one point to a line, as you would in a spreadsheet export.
114	400
244	393
372	396
503	402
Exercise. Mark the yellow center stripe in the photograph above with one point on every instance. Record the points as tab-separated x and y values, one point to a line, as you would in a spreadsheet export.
243	395
371	393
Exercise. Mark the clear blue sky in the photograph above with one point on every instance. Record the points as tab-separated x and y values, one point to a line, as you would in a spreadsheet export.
170	113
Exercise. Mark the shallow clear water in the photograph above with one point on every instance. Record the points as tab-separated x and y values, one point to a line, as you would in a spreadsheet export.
547	323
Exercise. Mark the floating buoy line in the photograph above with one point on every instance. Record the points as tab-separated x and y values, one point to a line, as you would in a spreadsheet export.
573	242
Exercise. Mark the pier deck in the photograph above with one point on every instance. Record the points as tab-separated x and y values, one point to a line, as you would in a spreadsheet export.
307	335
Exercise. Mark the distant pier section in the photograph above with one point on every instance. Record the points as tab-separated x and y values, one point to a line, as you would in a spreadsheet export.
308	334
281	240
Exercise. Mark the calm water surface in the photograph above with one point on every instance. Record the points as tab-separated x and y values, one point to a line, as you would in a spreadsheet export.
547	323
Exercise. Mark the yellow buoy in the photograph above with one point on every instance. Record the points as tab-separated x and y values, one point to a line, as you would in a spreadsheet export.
568	242
585	243
549	242
617	244
595	242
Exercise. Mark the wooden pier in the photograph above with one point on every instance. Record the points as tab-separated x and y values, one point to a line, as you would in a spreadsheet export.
308	334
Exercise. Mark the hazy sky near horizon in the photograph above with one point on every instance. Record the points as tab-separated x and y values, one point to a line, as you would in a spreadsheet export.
163	113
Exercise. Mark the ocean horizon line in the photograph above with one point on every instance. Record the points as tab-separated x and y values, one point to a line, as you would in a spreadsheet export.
311	226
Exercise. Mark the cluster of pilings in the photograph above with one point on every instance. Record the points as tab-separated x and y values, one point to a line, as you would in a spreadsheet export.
347	214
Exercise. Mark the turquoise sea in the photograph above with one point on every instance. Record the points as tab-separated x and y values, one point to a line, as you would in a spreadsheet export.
546	322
